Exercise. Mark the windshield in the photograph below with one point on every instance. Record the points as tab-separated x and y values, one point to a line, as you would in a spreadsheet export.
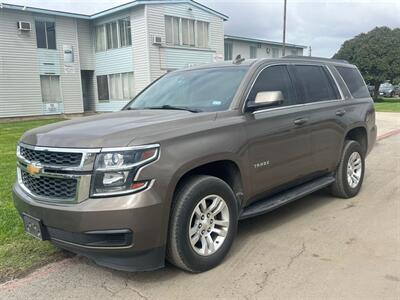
195	90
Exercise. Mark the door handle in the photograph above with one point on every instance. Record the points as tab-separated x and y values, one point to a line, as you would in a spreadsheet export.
301	121
340	113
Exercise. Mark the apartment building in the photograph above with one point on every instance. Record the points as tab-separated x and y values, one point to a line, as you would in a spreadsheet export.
55	62
250	48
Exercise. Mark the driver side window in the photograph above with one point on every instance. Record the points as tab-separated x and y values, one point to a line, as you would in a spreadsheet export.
274	79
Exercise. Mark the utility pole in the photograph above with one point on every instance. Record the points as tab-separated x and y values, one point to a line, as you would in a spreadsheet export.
284	29
309	51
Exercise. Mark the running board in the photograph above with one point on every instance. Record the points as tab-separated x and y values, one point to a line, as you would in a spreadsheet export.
273	202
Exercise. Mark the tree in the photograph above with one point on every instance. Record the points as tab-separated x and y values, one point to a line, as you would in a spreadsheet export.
376	54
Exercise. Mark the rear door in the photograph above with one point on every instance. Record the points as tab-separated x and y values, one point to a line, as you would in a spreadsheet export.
318	91
279	141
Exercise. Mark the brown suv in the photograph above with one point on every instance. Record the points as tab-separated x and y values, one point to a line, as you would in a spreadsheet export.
171	174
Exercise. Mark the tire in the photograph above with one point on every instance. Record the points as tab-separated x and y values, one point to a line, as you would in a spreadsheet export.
342	187
185	216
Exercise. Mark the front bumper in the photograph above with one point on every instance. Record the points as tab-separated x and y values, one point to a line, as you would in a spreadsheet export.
135	221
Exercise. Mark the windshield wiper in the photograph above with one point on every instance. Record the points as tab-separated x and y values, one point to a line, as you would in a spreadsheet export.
172	107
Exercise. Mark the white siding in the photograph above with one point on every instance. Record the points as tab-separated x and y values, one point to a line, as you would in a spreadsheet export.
266	50
114	61
140	47
20	93
114	105
86	42
48	61
182	58
71	88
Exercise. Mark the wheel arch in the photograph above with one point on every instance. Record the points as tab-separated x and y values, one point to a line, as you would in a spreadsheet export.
358	134
226	169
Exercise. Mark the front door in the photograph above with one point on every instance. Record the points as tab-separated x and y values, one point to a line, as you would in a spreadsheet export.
279	137
87	90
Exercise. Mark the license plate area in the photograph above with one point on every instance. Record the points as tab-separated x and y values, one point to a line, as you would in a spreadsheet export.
34	227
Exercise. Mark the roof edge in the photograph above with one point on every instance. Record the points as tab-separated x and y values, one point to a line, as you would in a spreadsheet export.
150	2
43	11
254	40
109	10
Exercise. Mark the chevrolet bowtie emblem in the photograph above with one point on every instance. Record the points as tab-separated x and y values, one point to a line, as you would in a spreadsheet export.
34	168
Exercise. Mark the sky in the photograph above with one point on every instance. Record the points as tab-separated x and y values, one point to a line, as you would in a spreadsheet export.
322	24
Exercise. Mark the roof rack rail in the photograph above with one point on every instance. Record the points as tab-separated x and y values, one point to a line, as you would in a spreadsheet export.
316	58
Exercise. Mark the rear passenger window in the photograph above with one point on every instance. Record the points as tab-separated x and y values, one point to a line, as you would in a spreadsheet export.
275	78
354	82
316	84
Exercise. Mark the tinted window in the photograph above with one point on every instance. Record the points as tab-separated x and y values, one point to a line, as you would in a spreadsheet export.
275	78
354	82
316	84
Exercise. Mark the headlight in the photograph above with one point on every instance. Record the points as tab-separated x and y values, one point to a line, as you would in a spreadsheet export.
115	170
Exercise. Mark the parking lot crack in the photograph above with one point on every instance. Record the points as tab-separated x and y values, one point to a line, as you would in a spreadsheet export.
106	288
138	293
261	285
297	255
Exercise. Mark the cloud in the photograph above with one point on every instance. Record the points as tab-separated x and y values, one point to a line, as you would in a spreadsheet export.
323	24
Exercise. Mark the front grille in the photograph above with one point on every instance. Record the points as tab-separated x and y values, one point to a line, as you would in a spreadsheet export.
51	158
50	187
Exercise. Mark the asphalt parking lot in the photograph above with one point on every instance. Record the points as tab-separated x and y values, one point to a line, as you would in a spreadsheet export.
319	247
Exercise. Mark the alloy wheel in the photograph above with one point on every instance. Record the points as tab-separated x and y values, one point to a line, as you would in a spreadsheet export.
209	225
354	169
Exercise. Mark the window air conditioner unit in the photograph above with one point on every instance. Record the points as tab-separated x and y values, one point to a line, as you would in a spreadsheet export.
24	26
157	40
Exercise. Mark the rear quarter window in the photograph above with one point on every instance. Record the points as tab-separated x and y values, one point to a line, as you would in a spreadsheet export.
354	82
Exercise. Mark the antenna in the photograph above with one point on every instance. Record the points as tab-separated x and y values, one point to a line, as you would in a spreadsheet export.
238	60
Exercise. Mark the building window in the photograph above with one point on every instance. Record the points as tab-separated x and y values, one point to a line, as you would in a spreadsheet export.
102	88
172	30
293	51
50	86
228	51
125	37
100	38
186	32
45	34
253	51
113	35
202	34
128	85
119	86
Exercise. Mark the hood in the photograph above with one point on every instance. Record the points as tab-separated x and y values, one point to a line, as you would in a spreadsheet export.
117	129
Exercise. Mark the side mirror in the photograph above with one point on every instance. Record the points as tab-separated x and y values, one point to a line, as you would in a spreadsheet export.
265	99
